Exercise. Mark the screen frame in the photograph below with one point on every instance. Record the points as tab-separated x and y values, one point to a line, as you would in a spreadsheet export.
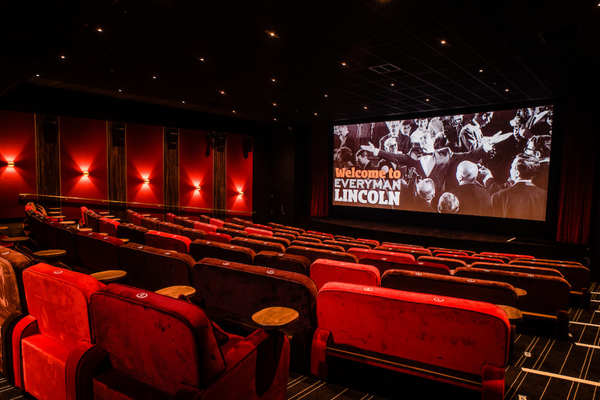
545	230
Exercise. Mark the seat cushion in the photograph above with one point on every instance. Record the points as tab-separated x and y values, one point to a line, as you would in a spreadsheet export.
44	364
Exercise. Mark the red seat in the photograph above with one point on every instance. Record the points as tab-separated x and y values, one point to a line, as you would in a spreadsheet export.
49	343
380	255
217	237
323	271
168	241
164	348
107	225
252	230
205	227
217	222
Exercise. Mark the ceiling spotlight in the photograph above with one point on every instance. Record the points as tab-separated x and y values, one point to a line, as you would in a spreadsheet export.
233	111
365	107
202	59
442	41
325	95
120	90
392	84
272	34
38	75
63	57
506	90
480	70
274	119
315	113
426	99
183	102
99	29
222	92
275	104
273	80
343	64
154	77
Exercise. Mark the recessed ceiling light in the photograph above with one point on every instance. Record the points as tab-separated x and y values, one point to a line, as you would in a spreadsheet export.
154	77
274	119
480	70
222	92
275	104
183	102
325	95
120	90
63	57
442	41
272	34
365	107
233	111
343	64
426	99
273	80
201	59
392	84
99	29
38	75
315	113
506	90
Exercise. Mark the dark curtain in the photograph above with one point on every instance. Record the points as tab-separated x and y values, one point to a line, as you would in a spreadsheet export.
577	171
319	174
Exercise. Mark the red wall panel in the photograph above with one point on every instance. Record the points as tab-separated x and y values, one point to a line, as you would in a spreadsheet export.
17	143
144	161
195	169
82	148
239	175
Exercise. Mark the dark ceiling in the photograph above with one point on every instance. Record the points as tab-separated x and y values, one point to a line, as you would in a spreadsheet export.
284	60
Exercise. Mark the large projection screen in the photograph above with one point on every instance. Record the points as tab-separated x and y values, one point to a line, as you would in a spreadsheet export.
493	163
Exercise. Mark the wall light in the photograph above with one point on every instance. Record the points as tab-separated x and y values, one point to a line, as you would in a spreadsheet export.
198	187
11	164
147	181
86	173
241	193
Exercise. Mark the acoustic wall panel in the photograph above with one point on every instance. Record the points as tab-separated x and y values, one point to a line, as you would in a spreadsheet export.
195	169
239	174
17	144
145	166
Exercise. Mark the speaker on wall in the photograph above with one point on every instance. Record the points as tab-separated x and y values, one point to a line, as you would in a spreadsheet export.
246	146
50	128
171	135
118	134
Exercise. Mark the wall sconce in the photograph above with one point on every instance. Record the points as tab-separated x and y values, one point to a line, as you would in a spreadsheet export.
198	187
241	193
86	173
11	164
146	181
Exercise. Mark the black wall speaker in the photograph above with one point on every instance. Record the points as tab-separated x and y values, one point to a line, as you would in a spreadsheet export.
171	136
246	146
118	134
50	129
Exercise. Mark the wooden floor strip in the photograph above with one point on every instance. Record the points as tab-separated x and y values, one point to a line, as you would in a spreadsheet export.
587	345
567	378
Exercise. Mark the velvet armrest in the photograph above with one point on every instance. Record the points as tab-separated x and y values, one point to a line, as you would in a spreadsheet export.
257	368
7	331
82	364
27	326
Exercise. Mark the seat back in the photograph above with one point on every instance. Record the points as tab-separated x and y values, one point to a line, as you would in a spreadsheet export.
323	271
49	228
170	217
37	228
576	274
58	299
509	255
232	232
216	222
346	245
152	269
97	252
252	230
205	227
135	233
545	294
240	221
416	252
107	225
451	263
217	237
518	268
150	223
258	245
193	234
436	250
286	262
273	239
407	265
322	246
453	286
237	291
446	332
91	220
65	238
381	255
469	259
200	249
163	342
168	241
313	254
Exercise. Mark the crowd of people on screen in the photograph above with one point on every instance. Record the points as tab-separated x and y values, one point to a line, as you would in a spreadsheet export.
485	164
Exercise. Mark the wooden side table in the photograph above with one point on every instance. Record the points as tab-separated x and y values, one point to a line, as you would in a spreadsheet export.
3	228
85	229
111	275
176	291
104	213
513	314
15	239
273	318
521	292
124	240
48	254
68	222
